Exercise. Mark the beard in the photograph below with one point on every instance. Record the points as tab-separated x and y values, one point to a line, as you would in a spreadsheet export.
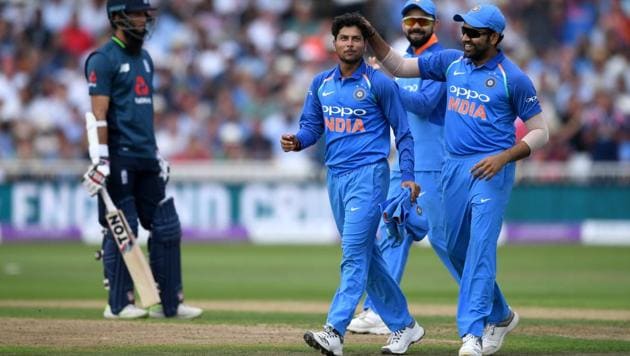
417	41
135	40
350	60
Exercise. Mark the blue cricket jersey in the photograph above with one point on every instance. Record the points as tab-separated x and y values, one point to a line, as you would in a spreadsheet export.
356	113
482	102
127	79
425	102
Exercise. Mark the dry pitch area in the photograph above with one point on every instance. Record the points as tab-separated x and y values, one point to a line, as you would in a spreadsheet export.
82	333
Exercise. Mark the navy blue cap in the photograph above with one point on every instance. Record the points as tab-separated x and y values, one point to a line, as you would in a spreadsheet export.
483	16
425	5
128	6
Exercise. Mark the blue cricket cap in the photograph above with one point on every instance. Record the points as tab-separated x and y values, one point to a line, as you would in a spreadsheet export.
425	5
483	16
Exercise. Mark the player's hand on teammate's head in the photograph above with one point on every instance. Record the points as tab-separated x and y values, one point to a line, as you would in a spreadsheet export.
370	29
289	143
96	176
414	187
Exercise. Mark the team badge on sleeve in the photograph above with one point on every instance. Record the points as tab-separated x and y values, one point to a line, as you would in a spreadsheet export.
92	79
359	93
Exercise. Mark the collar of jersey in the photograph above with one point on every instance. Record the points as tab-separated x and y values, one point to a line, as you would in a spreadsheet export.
118	42
432	40
492	63
357	73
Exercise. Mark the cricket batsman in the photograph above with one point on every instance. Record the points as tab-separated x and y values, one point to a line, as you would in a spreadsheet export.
120	77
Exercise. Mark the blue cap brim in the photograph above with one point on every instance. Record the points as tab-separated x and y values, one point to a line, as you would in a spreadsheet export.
469	20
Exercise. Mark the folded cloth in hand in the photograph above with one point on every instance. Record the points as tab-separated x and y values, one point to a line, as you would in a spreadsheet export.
403	219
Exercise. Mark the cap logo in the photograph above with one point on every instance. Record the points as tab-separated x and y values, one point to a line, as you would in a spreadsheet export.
476	8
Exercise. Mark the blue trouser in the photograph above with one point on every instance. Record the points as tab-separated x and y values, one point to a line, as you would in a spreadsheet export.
354	198
430	200
472	227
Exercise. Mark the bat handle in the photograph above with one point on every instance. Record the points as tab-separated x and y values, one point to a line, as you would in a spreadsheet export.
109	204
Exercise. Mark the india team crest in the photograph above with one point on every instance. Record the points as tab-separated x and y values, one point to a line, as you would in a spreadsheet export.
359	93
490	82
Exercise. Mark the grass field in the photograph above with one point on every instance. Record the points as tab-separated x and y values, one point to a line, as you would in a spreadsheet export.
258	300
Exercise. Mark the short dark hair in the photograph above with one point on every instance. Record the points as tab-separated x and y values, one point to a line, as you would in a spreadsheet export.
349	19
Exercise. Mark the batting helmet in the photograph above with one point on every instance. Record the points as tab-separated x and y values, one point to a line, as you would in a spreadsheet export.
127	6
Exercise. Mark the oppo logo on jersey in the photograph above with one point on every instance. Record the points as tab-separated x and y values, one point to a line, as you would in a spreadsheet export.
464	102
468	94
340	123
342	111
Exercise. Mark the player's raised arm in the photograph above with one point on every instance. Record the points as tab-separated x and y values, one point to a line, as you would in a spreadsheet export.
392	61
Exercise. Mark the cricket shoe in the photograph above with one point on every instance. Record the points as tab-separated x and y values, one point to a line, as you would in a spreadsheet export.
183	311
471	346
129	312
328	341
368	322
494	334
399	341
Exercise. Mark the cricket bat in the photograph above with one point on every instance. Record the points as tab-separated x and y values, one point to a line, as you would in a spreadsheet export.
137	265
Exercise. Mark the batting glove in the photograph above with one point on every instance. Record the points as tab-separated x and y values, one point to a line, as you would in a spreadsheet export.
95	177
165	169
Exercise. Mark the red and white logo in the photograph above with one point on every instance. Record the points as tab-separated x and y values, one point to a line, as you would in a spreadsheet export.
142	89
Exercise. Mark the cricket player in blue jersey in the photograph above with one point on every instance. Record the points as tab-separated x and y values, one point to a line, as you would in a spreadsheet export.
486	92
120	81
355	105
425	102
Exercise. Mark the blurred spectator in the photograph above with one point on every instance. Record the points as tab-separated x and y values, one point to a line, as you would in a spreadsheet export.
257	145
231	75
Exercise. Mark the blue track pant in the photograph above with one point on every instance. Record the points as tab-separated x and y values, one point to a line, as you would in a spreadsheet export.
430	200
472	226
354	198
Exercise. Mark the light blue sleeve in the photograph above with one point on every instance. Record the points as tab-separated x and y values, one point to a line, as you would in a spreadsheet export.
387	93
434	67
312	118
524	98
425	100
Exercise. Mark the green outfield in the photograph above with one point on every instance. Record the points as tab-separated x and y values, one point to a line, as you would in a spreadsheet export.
258	300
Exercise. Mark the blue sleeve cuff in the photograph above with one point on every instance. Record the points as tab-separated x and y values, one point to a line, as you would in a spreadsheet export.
405	176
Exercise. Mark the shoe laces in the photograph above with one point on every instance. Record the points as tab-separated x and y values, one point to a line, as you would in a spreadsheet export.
330	333
396	336
489	329
470	337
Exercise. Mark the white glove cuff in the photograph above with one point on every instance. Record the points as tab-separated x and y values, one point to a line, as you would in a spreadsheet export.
103	151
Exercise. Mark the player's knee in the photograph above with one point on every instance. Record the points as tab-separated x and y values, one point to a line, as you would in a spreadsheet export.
166	227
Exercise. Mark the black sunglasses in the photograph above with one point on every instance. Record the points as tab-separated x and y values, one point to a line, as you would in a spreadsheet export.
474	33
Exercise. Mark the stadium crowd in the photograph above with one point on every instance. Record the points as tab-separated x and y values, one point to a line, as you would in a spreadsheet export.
231	74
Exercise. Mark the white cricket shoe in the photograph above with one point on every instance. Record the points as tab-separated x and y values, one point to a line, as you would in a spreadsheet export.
368	322
494	334
129	312
471	346
183	311
399	341
328	341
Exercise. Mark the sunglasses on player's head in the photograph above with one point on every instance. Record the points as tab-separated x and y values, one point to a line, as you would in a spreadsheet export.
420	20
474	33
